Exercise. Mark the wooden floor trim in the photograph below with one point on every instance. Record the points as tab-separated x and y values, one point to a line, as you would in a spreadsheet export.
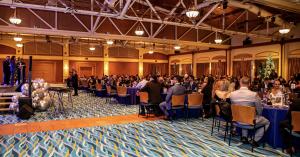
11	129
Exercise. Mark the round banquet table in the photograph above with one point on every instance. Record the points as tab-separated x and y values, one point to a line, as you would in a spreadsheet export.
132	95
275	116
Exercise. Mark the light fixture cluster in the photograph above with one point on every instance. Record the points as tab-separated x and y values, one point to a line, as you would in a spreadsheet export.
14	19
18	39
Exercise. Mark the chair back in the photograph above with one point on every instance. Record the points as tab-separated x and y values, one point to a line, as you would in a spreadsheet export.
144	97
121	90
98	86
243	114
84	83
296	120
218	110
108	89
292	96
178	100
195	99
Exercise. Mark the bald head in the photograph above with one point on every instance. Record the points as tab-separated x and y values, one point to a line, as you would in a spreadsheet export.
245	81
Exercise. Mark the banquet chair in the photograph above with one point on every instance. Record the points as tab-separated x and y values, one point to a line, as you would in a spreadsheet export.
122	93
295	130
195	102
144	97
99	88
244	117
177	103
110	93
218	118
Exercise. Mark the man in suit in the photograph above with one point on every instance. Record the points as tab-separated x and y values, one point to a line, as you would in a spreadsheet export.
154	89
286	124
177	89
244	96
6	70
74	79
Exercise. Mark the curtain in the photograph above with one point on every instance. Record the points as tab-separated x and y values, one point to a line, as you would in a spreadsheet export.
202	69
186	69
241	68
174	69
293	66
155	69
218	68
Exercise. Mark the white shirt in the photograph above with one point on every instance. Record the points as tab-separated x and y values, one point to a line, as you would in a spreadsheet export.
244	96
141	84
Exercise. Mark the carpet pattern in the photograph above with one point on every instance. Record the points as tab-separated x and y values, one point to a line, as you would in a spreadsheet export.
84	106
153	138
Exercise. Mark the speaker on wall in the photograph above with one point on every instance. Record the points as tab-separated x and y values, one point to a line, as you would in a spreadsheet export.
176	51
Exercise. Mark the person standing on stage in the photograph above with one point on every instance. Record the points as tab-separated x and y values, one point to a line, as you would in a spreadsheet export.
75	82
12	66
6	71
20	67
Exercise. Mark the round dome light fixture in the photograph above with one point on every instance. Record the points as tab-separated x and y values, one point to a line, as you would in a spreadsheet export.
109	42
177	47
17	38
19	45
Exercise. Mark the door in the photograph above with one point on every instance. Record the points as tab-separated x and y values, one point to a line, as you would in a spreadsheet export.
45	70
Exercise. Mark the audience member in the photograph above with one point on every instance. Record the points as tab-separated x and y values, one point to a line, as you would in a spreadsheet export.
244	96
154	90
177	89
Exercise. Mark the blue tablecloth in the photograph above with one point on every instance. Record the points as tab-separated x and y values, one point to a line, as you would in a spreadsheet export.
275	116
131	99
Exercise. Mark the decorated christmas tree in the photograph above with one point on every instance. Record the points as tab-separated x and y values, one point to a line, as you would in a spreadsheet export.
270	66
265	69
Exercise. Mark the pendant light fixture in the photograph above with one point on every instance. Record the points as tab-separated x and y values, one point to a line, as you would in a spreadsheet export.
14	20
192	12
109	42
92	48
18	38
139	31
218	39
19	45
284	29
150	51
177	47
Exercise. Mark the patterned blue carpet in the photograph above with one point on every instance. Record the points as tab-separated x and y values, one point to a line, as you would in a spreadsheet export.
84	106
154	138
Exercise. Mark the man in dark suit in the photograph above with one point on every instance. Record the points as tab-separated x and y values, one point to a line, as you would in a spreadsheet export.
286	124
177	89
74	79
6	70
154	89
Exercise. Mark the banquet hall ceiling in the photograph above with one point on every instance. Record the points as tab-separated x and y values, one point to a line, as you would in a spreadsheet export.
164	21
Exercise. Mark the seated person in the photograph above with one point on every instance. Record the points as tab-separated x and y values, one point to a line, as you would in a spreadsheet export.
177	89
223	93
276	93
286	138
244	96
154	89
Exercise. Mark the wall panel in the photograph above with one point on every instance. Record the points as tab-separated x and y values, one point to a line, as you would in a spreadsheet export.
126	68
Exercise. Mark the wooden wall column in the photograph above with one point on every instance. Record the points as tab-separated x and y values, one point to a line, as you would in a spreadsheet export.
194	65
66	60
106	60
141	60
228	61
285	64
